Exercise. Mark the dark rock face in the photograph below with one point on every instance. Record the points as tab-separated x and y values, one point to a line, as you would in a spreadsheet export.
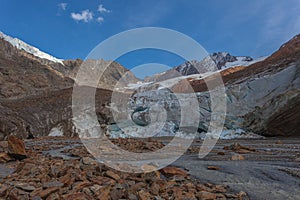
221	58
37	92
286	121
44	112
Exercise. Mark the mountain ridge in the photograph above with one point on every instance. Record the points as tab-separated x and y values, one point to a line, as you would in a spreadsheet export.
37	92
29	48
211	63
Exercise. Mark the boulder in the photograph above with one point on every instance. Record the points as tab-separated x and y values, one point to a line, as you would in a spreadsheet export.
16	148
171	171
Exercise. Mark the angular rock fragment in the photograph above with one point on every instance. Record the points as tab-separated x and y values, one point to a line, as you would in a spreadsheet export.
16	148
171	171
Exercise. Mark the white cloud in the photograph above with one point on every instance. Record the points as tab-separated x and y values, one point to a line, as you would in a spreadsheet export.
100	19
63	6
85	16
102	9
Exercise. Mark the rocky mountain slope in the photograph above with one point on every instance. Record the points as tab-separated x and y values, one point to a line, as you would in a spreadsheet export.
36	91
111	76
211	63
19	44
15	50
265	96
21	76
262	98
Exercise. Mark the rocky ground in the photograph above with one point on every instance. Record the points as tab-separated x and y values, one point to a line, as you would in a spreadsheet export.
61	168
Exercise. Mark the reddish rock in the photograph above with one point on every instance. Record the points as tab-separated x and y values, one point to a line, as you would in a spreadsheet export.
171	171
242	195
67	180
137	186
104	193
189	196
143	195
112	175
44	193
201	187
16	148
236	157
78	186
219	188
26	187
4	157
154	189
77	196
177	192
213	168
236	147
203	195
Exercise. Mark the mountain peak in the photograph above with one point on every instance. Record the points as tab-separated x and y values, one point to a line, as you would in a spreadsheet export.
19	44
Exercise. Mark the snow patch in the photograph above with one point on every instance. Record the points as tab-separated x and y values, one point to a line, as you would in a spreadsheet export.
242	61
30	49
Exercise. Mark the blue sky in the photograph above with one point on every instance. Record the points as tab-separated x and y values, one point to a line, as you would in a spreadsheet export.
70	29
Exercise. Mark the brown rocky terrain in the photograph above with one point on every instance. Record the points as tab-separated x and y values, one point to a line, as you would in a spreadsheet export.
44	175
62	168
36	93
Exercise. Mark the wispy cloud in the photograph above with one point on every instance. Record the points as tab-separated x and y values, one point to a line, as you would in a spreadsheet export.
101	9
100	19
62	6
85	16
147	14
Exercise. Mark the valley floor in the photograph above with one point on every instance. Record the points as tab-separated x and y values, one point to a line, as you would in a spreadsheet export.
263	169
271	172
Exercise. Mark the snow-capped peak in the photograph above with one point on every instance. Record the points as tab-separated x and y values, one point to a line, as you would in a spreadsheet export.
28	48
